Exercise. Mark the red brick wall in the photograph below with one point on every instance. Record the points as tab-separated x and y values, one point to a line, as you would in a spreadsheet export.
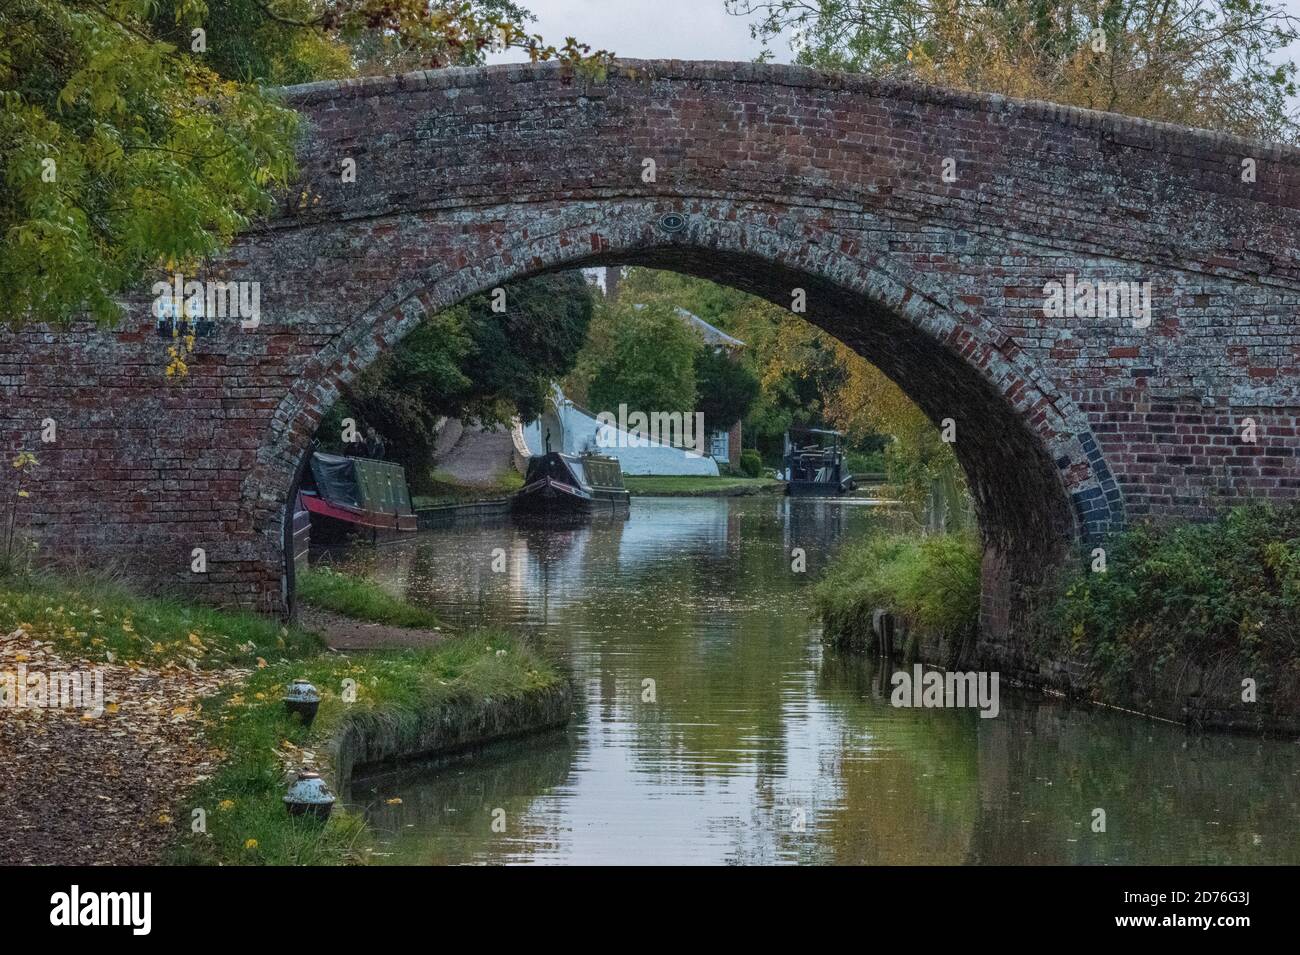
769	178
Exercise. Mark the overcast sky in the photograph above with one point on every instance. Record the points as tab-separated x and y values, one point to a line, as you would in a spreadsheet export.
681	29
648	29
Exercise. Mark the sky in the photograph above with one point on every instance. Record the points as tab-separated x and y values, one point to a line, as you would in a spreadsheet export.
681	29
649	29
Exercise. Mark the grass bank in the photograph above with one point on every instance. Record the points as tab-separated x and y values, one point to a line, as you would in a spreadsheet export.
351	596
398	693
98	619
930	584
697	486
1197	622
468	686
442	488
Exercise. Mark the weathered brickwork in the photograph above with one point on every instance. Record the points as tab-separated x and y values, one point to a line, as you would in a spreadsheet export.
767	178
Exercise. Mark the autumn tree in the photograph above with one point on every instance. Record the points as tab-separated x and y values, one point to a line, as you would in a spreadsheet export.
139	134
1217	64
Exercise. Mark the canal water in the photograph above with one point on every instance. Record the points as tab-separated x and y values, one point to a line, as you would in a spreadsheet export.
762	746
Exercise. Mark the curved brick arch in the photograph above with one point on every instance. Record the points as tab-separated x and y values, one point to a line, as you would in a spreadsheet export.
1032	460
466	178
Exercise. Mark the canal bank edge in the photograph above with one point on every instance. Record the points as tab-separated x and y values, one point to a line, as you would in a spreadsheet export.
408	705
382	706
376	739
1197	697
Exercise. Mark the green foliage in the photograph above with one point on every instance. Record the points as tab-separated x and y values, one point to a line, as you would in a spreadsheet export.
130	142
467	362
118	154
516	354
932	582
725	386
751	463
648	364
1224	592
716	304
247	44
860	463
360	599
916	462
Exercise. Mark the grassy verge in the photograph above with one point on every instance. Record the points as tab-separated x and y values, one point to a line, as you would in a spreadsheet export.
102	620
443	489
693	485
932	583
1219	596
246	819
361	599
260	745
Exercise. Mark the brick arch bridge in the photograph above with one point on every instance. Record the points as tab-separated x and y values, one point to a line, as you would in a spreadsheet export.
768	178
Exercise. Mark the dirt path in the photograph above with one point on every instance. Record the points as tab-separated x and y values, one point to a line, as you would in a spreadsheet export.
78	788
345	633
478	458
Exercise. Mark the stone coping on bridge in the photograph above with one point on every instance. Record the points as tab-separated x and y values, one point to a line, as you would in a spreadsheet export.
1139	132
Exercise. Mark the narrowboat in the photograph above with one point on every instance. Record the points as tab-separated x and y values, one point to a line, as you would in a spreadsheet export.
356	500
814	463
563	485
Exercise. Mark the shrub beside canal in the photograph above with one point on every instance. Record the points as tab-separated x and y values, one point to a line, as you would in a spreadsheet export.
931	584
1191	621
1218	597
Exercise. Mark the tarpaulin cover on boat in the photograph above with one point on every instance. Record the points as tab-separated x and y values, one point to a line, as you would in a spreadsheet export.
361	483
335	479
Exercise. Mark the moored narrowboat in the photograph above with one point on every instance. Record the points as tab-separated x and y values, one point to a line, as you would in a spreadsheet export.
814	463
356	500
562	485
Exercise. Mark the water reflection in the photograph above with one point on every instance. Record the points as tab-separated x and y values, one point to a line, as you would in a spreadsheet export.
762	747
